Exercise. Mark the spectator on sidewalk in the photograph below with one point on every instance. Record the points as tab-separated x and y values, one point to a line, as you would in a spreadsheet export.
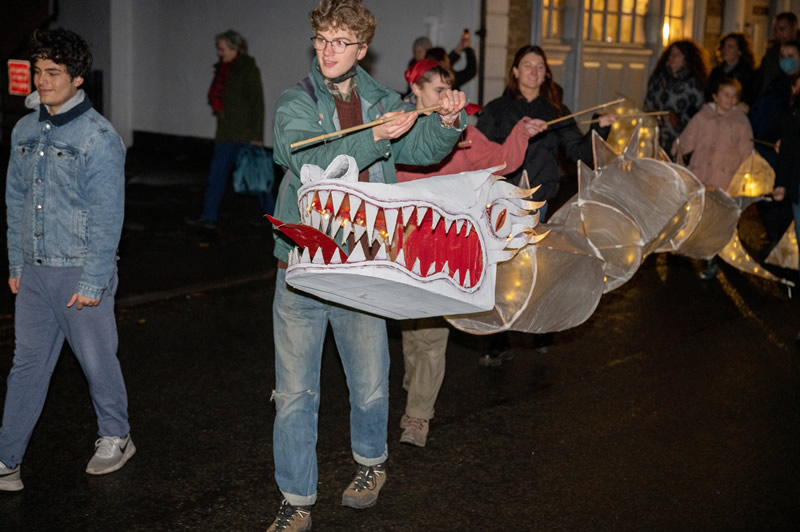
339	94
65	199
735	61
784	30
236	98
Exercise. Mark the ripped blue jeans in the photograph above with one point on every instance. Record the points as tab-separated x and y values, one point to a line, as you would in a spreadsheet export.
300	322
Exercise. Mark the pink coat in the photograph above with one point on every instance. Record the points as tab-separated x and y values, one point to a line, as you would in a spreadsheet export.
718	142
476	153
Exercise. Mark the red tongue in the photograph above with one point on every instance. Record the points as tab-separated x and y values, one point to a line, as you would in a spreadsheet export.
308	237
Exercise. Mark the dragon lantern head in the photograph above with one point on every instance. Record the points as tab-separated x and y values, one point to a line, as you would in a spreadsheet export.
427	247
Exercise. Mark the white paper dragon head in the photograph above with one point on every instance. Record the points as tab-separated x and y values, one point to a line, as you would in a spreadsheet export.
427	247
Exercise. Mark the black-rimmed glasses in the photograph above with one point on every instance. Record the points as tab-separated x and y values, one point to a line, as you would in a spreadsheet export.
337	45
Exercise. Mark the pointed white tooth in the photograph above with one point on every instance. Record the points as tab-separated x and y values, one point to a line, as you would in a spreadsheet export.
337	258
401	260
381	255
446	269
337	197
357	255
347	228
436	218
416	267
372	213
326	220
408	211
316	218
391	222
306	217
305	257
457	278
323	198
336	223
459	225
291	256
432	269
421	211
466	280
447	223
467	229
358	231
355	203
318	258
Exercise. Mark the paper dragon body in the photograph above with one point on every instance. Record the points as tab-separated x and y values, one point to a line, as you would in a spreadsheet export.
467	246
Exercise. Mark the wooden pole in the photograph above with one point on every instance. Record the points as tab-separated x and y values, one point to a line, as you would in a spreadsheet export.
634	115
560	119
376	122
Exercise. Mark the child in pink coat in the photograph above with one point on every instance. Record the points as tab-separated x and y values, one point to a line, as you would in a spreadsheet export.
719	137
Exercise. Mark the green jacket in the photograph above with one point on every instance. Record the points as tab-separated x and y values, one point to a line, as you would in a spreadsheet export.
242	119
297	118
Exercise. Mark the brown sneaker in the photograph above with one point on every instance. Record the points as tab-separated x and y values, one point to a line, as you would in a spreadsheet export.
291	518
363	490
416	431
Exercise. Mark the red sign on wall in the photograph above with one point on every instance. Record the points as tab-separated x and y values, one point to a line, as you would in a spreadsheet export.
19	77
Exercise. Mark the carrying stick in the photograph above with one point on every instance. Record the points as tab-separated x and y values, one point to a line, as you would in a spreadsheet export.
376	122
633	115
551	122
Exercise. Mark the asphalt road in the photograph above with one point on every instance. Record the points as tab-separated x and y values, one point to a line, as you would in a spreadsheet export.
675	407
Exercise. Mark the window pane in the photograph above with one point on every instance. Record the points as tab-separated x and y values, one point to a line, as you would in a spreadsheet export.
676	8
627	6
587	5
611	28
555	29
613	6
641	7
597	27
545	23
545	3
585	26
599	5
626	31
675	29
639	33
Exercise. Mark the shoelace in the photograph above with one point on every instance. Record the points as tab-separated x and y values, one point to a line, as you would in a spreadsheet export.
365	478
104	447
416	423
286	514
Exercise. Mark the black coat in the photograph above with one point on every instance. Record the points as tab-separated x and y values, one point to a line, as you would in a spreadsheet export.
786	128
741	73
541	159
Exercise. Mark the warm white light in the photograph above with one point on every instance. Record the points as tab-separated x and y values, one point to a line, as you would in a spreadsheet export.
665	31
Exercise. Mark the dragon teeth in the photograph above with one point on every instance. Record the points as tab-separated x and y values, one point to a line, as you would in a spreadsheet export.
372	213
421	211
390	215
416	268
318	258
459	225
357	254
355	203
323	198
359	231
466	280
436	218
337	197
401	260
305	257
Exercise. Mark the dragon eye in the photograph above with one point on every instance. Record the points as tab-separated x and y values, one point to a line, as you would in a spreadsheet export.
500	221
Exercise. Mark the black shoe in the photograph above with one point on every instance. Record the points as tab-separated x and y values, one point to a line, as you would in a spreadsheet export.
201	222
492	359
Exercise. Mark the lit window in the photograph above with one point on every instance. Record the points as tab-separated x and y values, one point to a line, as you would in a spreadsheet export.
552	18
614	21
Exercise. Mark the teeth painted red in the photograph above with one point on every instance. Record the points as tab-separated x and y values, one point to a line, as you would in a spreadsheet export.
440	247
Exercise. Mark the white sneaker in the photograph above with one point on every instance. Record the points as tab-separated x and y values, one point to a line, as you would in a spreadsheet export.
110	454
10	479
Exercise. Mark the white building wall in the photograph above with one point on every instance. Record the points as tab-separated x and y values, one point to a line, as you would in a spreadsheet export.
160	54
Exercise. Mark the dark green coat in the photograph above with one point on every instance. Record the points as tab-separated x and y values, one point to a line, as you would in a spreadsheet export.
242	119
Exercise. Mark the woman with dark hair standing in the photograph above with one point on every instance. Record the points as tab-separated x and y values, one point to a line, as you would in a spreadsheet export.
532	92
735	61
677	85
236	98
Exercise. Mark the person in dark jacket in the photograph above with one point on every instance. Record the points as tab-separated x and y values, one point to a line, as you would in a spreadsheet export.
531	91
785	130
236	98
735	61
677	85
784	30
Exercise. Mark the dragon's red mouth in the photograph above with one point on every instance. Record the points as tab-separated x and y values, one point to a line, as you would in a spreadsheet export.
419	238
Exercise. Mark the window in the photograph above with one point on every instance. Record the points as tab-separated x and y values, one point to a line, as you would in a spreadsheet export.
615	21
552	18
673	21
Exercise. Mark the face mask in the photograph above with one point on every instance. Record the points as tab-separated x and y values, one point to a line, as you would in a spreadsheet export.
788	64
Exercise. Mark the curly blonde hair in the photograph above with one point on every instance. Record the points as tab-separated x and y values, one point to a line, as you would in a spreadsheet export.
344	14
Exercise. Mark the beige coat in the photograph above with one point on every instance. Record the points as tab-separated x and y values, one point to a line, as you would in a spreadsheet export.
718	142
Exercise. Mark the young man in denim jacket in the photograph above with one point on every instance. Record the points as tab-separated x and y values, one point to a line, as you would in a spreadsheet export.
65	204
339	94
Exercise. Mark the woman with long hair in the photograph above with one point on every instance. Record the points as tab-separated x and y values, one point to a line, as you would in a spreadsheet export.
735	56
677	85
532	92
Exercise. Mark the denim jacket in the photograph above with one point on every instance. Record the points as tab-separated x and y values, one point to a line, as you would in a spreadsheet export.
65	194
